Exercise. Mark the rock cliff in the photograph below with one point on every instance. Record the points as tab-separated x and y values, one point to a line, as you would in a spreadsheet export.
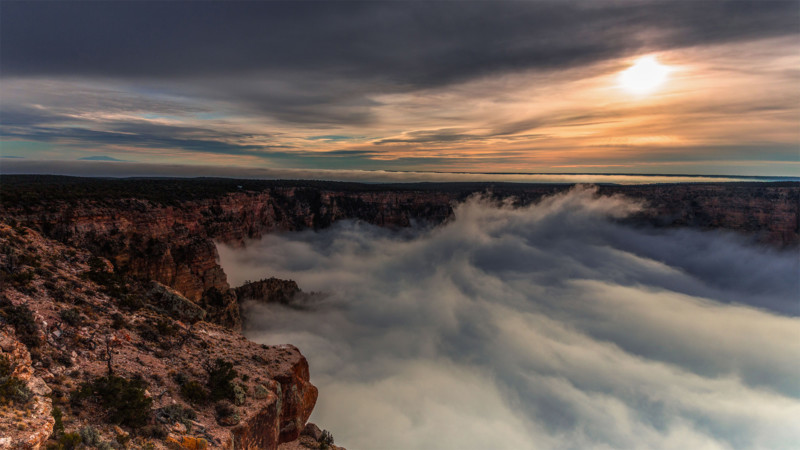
270	290
164	230
132	365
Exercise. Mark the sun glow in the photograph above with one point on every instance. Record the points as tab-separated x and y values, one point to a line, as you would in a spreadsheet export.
644	76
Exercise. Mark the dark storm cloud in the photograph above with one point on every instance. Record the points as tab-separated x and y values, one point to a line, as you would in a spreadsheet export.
299	69
416	43
551	326
133	134
99	117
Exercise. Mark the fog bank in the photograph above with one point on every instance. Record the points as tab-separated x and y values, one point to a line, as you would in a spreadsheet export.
544	327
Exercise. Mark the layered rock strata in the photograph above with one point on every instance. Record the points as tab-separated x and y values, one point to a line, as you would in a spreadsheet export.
151	234
83	325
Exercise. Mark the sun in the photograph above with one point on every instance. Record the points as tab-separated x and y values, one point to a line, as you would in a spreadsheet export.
644	76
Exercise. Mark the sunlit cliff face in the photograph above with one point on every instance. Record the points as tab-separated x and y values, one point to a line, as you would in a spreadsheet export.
549	326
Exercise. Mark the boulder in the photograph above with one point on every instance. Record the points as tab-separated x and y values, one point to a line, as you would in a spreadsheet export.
172	303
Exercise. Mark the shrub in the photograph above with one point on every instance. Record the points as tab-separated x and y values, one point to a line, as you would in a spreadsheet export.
165	327
12	389
124	399
226	413
71	316
63	358
67	441
113	284
239	395
176	413
20	279
21	318
326	440
118	321
90	436
131	302
220	380
58	426
179	378
194	392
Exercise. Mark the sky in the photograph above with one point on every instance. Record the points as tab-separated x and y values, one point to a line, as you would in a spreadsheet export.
551	326
448	86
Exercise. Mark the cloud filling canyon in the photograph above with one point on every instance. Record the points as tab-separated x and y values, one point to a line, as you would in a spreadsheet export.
551	326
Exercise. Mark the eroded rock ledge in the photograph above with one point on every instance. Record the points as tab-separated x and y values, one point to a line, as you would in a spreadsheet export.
72	326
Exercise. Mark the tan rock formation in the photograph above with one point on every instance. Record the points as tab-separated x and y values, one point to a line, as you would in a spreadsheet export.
84	332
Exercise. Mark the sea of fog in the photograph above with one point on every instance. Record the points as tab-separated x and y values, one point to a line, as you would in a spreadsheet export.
545	327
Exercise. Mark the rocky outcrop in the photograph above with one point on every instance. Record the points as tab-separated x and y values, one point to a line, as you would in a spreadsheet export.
270	290
23	426
170	302
82	334
259	431
311	438
298	398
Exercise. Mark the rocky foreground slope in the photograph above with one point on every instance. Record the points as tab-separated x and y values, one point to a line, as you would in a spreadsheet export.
92	359
114	290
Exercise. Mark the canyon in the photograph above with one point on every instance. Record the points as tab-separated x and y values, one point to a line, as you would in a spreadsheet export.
109	242
153	230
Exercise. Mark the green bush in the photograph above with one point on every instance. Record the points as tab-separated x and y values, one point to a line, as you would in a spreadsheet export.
90	436
194	392
123	399
220	380
326	440
12	389
67	441
58	426
239	395
71	316
176	413
21	318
